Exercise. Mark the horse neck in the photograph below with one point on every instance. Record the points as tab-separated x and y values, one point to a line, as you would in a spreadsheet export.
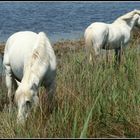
29	77
131	23
34	69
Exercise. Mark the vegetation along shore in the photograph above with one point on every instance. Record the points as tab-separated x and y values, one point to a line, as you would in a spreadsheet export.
92	101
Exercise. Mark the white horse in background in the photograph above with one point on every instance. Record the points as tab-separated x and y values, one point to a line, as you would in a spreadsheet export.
30	59
116	36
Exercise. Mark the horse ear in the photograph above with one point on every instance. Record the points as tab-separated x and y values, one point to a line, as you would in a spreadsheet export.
137	11
18	83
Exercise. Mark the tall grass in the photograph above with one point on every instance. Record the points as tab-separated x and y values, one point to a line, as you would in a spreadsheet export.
91	101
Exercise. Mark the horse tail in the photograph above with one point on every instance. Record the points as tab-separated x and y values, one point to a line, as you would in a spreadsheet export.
88	43
88	38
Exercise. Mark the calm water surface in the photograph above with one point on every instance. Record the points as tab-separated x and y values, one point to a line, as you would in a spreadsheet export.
60	20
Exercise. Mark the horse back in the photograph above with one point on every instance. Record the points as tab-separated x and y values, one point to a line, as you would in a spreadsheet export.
18	49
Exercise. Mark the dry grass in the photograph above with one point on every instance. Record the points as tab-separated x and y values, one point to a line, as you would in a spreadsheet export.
91	101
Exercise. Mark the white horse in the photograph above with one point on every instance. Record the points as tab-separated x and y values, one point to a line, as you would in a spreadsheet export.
116	36
29	58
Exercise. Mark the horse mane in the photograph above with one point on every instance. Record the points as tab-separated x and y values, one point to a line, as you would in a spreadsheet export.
40	49
129	15
39	57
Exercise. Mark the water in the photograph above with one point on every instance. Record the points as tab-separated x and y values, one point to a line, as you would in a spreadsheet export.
1	68
60	20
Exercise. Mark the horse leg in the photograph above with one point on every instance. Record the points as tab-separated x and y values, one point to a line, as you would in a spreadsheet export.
50	91
97	53
108	56
118	56
9	80
14	87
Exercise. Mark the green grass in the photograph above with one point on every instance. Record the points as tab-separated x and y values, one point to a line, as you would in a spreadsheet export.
92	101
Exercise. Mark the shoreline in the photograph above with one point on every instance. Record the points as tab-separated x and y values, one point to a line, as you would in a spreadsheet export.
63	45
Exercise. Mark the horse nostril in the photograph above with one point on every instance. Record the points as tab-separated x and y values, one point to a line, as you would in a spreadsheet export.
28	103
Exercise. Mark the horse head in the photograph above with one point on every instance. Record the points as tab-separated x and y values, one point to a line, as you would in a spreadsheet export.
132	18
137	13
26	98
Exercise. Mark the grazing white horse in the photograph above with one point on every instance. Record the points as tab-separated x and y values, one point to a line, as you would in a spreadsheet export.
116	36
30	59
